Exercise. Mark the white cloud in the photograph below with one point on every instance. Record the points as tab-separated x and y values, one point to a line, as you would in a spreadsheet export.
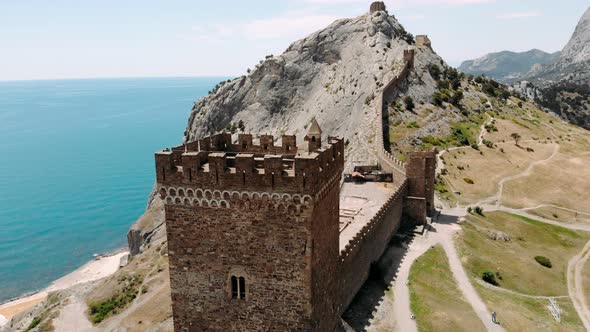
283	27
512	16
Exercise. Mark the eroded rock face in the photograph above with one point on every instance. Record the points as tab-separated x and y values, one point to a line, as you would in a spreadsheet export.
148	228
333	75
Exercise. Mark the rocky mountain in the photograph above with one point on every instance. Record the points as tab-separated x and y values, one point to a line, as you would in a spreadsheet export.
573	64
564	86
508	66
336	75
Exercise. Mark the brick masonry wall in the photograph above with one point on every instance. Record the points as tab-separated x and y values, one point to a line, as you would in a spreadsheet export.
269	247
368	246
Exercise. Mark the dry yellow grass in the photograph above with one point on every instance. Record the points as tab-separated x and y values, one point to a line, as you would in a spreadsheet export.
557	214
515	264
488	169
563	180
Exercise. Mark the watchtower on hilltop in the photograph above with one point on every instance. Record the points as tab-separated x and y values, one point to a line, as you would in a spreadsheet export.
253	232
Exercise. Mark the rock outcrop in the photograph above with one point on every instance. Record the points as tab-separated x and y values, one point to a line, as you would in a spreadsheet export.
334	75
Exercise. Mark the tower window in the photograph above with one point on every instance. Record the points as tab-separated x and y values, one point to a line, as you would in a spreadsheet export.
242	288
238	288
234	287
313	139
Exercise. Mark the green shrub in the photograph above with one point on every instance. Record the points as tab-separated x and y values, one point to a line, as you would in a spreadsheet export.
468	180
469	210
475	146
437	99
100	310
489	277
413	124
435	72
432	140
546	262
479	210
36	321
409	102
456	98
490	128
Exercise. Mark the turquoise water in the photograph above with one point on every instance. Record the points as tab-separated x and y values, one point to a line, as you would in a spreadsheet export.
76	168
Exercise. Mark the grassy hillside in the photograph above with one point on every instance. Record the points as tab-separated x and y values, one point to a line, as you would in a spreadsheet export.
523	285
435	299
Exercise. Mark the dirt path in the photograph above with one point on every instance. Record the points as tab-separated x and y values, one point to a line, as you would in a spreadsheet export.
72	317
441	232
579	226
511	292
526	172
575	284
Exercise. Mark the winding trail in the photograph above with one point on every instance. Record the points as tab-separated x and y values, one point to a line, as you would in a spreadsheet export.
575	284
527	172
441	232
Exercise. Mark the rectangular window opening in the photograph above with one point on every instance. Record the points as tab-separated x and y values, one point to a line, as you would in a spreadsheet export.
242	288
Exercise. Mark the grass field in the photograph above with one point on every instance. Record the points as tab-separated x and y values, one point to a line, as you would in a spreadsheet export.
435	299
560	180
517	271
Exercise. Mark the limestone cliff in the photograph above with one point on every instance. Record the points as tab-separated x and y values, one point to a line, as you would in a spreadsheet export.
333	75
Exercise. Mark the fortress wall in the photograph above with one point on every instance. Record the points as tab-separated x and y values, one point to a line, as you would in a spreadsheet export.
368	245
388	161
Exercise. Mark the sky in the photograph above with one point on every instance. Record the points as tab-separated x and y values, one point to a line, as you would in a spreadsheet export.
57	39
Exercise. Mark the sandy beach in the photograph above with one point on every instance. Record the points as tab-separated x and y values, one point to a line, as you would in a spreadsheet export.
98	268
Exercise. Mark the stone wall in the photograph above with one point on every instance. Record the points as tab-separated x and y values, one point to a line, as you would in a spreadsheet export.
271	220
368	245
388	161
421	172
266	246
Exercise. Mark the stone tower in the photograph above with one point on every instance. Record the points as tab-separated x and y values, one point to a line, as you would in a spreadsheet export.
314	136
421	172
377	6
253	233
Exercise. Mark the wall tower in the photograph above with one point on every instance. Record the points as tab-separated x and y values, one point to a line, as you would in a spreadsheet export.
253	232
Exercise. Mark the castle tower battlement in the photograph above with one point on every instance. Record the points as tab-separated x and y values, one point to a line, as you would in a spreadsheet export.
253	232
215	162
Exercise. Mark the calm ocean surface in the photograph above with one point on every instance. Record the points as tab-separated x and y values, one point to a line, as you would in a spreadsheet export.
76	167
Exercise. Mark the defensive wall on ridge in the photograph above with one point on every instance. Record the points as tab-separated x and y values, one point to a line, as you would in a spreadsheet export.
368	245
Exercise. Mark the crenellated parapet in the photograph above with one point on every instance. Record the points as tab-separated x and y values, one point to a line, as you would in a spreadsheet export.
217	162
365	235
389	161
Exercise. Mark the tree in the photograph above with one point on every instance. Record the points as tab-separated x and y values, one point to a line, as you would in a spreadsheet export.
456	98
516	137
409	103
437	99
435	72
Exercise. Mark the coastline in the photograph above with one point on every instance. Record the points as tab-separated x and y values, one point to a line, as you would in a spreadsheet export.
99	267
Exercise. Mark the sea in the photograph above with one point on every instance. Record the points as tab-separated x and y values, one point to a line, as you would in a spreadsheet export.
77	166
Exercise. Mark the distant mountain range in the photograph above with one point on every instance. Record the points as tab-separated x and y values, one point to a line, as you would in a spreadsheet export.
508	66
560	82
